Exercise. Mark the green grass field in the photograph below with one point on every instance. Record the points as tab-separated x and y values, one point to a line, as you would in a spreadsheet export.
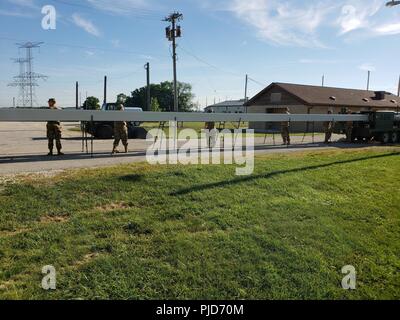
153	232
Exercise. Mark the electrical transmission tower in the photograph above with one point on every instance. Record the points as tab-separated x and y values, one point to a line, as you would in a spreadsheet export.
172	32
20	82
27	79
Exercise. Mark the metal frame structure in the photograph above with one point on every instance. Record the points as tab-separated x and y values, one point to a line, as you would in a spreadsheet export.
43	115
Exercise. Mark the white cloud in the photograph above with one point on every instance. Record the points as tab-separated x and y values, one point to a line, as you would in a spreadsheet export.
14	13
283	23
387	29
295	23
86	25
123	7
367	67
357	14
23	3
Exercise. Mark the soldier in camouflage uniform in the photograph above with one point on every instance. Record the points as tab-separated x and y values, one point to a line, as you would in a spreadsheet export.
120	132
328	128
54	132
349	128
285	125
210	132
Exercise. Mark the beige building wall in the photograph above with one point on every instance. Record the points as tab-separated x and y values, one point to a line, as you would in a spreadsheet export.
296	127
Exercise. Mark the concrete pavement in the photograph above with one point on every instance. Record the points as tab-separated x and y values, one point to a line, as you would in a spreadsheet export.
23	149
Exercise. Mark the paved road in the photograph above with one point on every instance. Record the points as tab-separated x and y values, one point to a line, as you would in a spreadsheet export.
23	149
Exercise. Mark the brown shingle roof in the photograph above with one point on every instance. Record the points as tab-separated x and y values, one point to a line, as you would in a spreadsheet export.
327	96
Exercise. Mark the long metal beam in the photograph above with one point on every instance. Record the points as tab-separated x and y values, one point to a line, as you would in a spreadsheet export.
42	115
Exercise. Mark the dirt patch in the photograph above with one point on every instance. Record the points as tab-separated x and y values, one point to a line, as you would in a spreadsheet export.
53	219
113	206
7	179
7	284
14	233
86	259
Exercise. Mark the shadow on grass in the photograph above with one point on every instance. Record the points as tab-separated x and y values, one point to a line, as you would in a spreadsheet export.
131	178
274	173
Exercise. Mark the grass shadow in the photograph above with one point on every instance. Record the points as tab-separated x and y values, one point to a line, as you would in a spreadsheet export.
272	174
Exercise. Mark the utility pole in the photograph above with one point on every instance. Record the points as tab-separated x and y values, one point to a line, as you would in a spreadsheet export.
369	76
398	89
14	102
323	80
76	95
105	90
148	95
172	32
245	88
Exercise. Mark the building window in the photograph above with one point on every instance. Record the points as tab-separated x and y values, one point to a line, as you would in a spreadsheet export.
276	97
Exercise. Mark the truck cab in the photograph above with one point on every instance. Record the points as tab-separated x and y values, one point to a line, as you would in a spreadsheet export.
382	126
105	130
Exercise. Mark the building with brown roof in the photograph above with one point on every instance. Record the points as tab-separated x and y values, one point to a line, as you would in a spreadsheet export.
304	99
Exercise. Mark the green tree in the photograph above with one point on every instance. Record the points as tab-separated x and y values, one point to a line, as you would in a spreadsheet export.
91	103
163	92
155	106
121	97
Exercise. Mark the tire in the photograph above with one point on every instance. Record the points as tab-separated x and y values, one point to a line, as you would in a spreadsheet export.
395	137
104	132
385	137
139	133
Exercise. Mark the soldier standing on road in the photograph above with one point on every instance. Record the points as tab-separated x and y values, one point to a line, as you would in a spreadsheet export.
54	131
120	131
210	133
285	125
328	128
349	128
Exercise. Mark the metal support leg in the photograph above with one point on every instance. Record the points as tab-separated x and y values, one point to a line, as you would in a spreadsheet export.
313	132
83	129
91	139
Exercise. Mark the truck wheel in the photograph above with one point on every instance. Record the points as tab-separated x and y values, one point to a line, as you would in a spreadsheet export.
395	137
104	132
385	137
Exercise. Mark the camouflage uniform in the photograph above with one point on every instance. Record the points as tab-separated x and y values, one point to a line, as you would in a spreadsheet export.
285	125
349	129
328	128
120	132
54	131
211	133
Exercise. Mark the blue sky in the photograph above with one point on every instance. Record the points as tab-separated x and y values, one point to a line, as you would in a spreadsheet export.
271	40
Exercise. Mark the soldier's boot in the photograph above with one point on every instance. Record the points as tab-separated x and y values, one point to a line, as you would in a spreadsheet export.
126	148
114	150
59	147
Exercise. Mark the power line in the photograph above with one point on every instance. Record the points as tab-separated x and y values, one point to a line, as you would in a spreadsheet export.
209	64
67	45
258	82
